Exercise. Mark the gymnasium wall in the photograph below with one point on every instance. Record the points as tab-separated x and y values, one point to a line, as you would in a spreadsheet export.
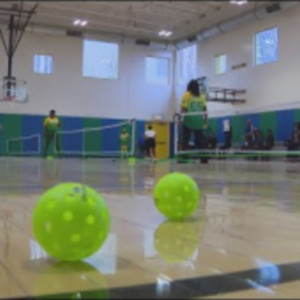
67	91
269	84
17	125
281	123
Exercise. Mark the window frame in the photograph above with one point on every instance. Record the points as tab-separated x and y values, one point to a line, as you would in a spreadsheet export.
118	58
255	47
215	65
169	70
177	73
33	63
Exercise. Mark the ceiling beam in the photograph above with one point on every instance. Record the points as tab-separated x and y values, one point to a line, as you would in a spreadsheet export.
100	22
104	14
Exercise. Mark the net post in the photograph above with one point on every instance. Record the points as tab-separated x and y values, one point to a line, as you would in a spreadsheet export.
132	152
7	146
83	144
38	144
175	119
21	147
55	143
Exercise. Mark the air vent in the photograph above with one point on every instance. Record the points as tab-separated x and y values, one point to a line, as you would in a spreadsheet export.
142	42
192	39
272	8
74	33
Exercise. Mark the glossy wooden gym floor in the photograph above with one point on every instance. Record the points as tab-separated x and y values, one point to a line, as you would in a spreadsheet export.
243	241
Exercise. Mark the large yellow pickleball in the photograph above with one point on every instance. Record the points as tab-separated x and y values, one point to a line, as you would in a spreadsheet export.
71	221
176	196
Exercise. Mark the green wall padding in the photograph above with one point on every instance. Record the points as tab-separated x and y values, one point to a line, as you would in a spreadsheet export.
11	128
297	115
267	120
93	138
238	128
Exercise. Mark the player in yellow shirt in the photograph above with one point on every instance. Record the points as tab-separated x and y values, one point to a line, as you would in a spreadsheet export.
51	126
124	138
194	101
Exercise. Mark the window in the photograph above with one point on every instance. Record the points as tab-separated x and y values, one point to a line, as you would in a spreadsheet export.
42	64
157	70
100	59
220	64
266	46
187	64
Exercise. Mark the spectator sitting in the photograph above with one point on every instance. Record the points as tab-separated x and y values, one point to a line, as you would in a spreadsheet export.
248	142
269	143
249	135
211	141
293	143
249	132
258	141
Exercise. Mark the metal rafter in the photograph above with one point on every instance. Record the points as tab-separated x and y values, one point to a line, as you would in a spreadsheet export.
140	20
19	18
15	31
24	26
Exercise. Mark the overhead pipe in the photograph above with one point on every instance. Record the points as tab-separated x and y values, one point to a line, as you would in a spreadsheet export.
223	27
226	26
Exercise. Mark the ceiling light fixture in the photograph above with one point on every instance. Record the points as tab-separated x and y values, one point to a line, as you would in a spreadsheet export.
165	33
78	22
84	23
238	2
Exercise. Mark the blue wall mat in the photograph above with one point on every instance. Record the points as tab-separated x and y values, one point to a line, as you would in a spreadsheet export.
140	130
254	118
110	137
71	142
284	124
220	134
32	125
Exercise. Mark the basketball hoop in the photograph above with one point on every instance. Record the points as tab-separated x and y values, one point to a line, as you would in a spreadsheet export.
13	90
10	98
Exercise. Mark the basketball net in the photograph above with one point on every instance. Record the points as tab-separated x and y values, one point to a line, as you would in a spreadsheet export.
10	98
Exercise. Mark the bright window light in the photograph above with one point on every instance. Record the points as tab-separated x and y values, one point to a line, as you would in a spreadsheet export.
157	70
266	46
42	64
220	64
186	64
100	59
